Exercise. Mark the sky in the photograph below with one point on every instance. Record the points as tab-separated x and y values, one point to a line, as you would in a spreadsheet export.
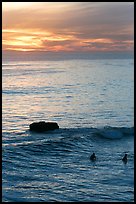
59	27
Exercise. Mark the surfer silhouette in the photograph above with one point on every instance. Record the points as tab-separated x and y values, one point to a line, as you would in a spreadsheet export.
93	157
124	159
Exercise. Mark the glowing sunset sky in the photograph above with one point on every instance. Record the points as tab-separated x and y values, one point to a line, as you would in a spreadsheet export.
68	26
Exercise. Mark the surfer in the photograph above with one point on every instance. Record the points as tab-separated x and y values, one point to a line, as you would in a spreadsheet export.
93	157
124	159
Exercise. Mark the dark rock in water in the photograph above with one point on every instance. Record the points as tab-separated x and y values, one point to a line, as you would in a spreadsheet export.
43	126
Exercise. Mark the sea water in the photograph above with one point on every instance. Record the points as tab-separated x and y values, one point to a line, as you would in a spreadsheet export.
93	103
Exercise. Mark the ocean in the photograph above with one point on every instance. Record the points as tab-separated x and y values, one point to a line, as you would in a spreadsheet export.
93	103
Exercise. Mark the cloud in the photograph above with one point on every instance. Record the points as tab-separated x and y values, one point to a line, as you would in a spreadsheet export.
72	23
75	16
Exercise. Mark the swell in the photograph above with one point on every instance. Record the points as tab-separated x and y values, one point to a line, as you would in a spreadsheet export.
35	159
66	139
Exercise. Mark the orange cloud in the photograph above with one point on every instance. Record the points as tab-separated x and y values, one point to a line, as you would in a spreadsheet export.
67	26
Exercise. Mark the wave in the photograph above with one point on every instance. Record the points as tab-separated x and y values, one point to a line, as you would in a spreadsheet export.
12	65
68	137
107	132
65	142
115	132
30	90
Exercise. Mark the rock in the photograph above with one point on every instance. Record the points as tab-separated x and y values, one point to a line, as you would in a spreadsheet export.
43	126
